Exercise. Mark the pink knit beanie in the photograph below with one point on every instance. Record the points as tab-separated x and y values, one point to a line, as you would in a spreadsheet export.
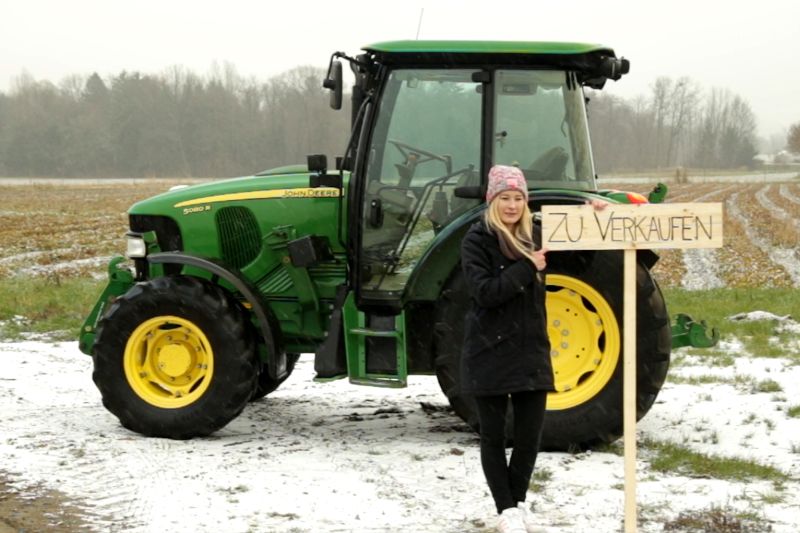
505	178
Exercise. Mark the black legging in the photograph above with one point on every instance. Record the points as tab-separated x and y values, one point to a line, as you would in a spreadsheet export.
508	481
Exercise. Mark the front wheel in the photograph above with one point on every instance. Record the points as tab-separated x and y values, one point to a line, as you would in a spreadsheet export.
175	358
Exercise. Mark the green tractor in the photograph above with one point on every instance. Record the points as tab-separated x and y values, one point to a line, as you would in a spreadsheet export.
227	282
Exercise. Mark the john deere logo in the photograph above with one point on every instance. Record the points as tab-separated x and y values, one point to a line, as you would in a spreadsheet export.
307	192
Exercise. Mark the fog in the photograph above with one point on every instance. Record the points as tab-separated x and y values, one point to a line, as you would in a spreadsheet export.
747	48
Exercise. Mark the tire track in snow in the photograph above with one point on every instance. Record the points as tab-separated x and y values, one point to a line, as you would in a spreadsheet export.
781	256
774	208
788	194
115	500
702	265
80	465
120	492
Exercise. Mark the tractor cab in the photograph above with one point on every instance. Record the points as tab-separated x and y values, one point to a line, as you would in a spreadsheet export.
434	116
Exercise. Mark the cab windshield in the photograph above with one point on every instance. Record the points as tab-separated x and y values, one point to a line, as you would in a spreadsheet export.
427	141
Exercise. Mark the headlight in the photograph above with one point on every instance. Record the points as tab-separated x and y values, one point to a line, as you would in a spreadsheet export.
137	248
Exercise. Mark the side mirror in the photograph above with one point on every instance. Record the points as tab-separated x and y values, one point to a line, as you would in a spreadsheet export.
333	82
614	68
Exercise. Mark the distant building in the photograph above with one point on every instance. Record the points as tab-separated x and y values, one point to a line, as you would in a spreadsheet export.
783	157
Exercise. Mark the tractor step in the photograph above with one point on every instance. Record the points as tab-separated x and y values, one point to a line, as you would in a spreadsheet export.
376	347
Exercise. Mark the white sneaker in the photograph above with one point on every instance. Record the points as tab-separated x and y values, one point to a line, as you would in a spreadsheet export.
510	521
528	519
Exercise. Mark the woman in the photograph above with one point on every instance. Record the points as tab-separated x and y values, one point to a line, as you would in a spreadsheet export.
506	349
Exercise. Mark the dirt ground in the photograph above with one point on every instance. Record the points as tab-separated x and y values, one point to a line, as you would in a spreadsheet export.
37	509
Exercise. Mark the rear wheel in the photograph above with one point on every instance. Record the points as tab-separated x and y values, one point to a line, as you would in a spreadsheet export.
584	312
175	358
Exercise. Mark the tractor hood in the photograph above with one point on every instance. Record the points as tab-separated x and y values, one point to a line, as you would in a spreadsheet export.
283	182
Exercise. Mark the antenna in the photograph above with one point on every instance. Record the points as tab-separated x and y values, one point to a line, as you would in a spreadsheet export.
419	24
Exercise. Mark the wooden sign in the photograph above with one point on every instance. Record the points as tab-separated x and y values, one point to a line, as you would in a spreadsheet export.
625	226
631	227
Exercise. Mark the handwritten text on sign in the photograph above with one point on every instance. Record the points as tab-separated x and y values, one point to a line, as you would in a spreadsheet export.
632	226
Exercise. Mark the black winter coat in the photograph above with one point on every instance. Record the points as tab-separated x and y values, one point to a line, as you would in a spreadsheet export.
506	348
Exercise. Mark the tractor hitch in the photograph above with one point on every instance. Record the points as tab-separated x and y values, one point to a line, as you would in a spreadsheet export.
687	332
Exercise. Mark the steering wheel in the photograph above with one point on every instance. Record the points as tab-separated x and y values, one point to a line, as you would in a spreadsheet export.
422	156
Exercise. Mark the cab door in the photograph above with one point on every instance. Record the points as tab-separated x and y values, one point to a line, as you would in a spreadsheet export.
425	142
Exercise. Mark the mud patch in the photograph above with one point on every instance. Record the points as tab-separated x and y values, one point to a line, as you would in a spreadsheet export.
38	509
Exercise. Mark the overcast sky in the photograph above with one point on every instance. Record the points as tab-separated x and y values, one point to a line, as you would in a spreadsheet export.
751	48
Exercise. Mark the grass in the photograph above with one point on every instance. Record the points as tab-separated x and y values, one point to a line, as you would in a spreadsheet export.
768	385
793	411
739	381
718	520
61	303
670	457
540	478
46	306
716	305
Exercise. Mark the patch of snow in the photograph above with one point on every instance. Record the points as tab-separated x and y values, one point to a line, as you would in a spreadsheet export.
709	196
337	457
732	345
789	195
66	266
765	177
776	210
25	256
784	257
757	316
788	327
701	270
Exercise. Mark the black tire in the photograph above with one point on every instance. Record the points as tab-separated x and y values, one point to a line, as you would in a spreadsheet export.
266	385
168	331
596	419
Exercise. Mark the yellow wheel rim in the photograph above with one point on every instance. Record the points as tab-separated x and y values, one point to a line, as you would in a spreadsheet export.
584	341
168	362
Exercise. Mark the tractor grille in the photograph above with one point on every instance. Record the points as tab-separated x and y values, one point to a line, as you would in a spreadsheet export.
239	235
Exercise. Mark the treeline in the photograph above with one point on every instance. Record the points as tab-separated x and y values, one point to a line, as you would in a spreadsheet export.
181	124
677	124
173	124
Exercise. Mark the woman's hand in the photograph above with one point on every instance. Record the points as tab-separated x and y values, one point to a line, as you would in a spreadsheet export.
597	203
539	260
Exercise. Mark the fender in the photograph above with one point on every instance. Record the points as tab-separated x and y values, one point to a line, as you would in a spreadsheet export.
439	260
276	361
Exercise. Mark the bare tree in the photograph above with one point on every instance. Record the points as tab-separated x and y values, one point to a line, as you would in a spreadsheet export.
793	139
683	106
661	107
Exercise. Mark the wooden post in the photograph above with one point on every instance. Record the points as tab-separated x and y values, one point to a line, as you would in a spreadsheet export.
629	388
631	227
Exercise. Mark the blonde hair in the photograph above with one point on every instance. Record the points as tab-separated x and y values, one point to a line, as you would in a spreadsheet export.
521	239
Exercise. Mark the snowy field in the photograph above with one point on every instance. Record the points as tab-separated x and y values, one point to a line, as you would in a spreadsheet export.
340	458
336	457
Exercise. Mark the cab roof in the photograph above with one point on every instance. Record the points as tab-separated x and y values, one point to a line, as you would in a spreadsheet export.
593	63
487	47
